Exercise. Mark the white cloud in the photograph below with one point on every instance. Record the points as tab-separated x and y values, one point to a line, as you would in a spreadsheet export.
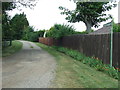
46	14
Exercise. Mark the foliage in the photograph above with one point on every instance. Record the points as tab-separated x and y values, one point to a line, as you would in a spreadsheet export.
91	13
41	32
31	35
6	6
58	31
26	3
18	23
26	33
7	32
92	62
116	28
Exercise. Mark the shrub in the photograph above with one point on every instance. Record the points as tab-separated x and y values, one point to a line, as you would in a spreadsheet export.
31	35
58	31
111	71
116	28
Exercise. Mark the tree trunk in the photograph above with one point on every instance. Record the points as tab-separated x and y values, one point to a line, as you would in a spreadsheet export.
88	26
10	43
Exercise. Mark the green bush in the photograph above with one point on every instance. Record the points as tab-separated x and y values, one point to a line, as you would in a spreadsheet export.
58	31
31	35
111	71
116	28
91	61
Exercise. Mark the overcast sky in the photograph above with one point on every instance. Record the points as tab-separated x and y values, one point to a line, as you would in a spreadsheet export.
46	13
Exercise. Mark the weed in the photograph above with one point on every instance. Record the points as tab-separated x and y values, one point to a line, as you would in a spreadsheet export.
31	47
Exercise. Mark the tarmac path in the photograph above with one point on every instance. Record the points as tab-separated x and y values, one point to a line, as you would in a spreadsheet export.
31	67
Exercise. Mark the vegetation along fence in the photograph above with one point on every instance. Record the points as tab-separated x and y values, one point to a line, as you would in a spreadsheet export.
90	45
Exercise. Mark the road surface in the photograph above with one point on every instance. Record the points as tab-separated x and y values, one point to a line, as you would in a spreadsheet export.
31	67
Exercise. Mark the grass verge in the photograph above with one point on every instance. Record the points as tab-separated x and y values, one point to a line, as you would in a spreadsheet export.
74	74
16	46
91	61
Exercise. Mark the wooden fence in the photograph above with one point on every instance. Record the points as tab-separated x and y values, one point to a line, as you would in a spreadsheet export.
90	45
47	41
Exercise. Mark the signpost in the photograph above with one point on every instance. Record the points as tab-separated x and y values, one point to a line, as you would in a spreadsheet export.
111	43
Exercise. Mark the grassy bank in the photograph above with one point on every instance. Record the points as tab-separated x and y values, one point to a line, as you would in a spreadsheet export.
16	46
91	61
74	74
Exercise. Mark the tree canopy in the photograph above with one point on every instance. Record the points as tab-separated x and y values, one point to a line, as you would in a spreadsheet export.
18	23
12	27
7	33
91	13
6	6
31	35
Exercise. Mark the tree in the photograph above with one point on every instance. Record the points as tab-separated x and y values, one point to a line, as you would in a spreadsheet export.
7	32
27	32
91	13
31	35
18	23
7	6
41	33
27	3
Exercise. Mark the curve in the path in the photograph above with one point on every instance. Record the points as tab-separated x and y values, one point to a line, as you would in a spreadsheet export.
31	67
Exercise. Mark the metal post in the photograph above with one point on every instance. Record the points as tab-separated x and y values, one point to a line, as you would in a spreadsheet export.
111	45
44	34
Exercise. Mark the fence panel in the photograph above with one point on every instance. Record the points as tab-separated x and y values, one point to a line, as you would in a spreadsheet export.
90	45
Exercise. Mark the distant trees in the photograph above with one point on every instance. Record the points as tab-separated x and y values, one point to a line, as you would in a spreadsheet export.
18	23
91	13
31	35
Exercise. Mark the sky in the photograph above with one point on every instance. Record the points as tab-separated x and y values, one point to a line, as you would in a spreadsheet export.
46	13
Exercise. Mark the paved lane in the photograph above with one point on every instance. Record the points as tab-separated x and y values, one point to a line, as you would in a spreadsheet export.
31	67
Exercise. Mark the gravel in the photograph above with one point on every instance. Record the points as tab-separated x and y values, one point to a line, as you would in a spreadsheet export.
31	67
